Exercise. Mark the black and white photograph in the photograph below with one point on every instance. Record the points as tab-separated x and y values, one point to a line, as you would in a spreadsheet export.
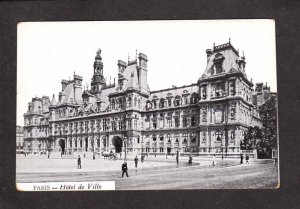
147	105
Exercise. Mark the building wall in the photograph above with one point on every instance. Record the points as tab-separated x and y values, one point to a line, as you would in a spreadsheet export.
207	117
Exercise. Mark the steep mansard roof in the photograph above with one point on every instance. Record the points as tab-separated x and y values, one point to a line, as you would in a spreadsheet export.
229	56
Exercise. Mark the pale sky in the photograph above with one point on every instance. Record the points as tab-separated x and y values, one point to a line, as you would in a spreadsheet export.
51	51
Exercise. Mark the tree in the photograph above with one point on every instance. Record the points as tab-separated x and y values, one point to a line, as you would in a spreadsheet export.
268	115
263	139
252	138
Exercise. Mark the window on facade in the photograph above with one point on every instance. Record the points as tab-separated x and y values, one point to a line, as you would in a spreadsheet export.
148	105
218	90
169	138
232	88
193	121
135	102
218	136
176	122
169	123
193	138
113	126
204	93
161	138
154	138
184	121
184	138
154	104
135	124
232	135
194	98
154	124
162	103
169	102
129	102
177	101
129	124
203	136
113	104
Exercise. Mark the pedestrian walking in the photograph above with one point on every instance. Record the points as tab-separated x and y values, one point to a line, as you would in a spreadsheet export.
48	153
142	158
124	169
247	159
79	162
136	160
214	161
242	159
190	159
177	157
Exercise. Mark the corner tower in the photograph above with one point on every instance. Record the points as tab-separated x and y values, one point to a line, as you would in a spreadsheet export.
98	81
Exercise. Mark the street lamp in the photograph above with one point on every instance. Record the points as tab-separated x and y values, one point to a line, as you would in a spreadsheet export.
125	143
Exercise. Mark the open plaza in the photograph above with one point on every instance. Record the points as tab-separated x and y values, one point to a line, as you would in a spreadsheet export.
154	173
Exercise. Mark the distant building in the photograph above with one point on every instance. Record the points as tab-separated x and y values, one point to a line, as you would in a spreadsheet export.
207	117
20	138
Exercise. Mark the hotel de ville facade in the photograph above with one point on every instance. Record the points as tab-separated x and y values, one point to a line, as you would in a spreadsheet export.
207	117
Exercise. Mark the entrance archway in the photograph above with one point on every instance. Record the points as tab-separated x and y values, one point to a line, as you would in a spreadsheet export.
62	145
118	143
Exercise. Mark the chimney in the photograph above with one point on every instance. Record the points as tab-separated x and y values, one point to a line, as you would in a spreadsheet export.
208	53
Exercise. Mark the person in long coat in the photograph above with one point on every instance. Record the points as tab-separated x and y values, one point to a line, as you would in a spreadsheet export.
79	162
124	169
136	160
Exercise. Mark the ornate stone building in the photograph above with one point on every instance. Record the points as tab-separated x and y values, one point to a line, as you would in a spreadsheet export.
20	138
206	117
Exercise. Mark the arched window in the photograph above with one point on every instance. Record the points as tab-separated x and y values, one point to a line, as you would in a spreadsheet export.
148	105
218	136
135	101
177	101
161	138
194	98
193	138
169	138
162	103
113	104
129	101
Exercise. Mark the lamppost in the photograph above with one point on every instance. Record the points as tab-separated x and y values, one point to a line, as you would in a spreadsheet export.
107	132
125	142
226	129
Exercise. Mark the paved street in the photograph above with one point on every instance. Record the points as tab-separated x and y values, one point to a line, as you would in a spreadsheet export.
164	174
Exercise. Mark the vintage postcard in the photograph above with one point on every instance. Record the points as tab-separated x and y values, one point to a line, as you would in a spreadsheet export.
146	105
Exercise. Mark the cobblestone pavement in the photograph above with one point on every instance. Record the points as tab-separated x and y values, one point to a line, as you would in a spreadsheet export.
166	174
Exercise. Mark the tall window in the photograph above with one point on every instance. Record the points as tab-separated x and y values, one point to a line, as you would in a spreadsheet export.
169	138
135	124
177	123
169	122
193	120
135	101
204	92
169	102
232	88
218	136
154	124
194	98
177	101
184	121
162	103
129	101
154	104
193	138
113	104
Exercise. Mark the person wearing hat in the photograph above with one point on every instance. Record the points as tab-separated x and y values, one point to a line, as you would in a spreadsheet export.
124	169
